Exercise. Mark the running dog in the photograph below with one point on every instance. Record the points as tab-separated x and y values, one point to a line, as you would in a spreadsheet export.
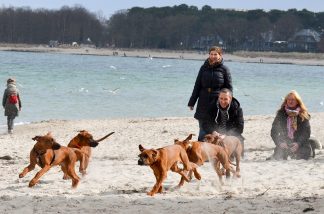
47	153
164	159
232	146
84	141
199	152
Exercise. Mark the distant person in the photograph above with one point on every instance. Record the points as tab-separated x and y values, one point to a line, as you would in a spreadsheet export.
11	103
291	130
212	77
226	116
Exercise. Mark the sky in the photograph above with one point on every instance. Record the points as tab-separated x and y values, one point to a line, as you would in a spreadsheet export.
108	7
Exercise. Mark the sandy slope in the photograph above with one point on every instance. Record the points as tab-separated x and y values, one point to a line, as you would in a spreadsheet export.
116	184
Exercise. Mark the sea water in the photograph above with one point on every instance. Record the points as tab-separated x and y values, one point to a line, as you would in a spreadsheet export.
62	86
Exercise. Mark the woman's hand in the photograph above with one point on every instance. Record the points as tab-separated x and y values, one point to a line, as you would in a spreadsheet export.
191	108
283	145
294	147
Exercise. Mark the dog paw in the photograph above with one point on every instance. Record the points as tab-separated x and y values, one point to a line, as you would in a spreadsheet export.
66	177
21	175
31	183
198	176
75	183
150	193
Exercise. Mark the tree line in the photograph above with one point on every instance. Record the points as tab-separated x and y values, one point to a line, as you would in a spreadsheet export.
177	27
23	25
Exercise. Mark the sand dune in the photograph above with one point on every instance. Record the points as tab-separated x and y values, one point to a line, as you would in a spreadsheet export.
116	184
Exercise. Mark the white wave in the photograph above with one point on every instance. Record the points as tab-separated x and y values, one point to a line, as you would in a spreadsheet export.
83	90
114	91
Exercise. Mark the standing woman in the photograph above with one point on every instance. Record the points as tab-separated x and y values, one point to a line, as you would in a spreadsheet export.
212	77
291	129
11	103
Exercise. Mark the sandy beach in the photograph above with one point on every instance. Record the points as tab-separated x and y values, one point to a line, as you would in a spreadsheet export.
316	59
116	184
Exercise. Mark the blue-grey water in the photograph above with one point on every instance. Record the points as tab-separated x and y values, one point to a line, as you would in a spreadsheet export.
61	86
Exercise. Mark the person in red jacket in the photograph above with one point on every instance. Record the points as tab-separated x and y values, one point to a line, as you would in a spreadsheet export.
11	103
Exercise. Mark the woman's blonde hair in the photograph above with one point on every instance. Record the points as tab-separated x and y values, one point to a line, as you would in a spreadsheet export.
217	49
303	113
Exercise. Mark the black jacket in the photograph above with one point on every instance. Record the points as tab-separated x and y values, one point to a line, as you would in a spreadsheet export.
234	124
210	80
279	131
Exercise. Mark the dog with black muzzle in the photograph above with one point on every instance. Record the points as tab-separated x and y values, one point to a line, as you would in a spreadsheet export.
84	141
47	153
164	159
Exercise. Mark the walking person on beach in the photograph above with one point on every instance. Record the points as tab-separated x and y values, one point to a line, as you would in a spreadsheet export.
291	130
11	103
212	77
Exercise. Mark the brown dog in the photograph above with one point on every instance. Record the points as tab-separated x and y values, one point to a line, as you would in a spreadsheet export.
47	153
231	144
199	152
84	141
164	159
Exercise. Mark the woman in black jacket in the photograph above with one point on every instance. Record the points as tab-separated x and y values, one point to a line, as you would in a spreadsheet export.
212	77
291	129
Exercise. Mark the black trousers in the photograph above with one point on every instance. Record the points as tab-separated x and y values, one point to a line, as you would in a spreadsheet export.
10	122
304	152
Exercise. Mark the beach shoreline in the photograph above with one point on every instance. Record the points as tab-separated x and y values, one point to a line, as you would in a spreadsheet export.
116	184
313	59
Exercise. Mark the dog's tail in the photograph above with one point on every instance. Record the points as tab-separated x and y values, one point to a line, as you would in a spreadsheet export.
101	139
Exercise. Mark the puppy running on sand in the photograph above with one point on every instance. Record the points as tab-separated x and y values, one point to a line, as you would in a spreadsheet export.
164	159
199	152
47	153
231	144
84	141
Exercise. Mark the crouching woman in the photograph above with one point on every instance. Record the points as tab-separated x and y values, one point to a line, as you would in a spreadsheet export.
291	129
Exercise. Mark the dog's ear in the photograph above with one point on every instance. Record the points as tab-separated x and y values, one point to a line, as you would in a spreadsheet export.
154	154
141	148
189	137
81	134
208	136
56	146
84	133
36	138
